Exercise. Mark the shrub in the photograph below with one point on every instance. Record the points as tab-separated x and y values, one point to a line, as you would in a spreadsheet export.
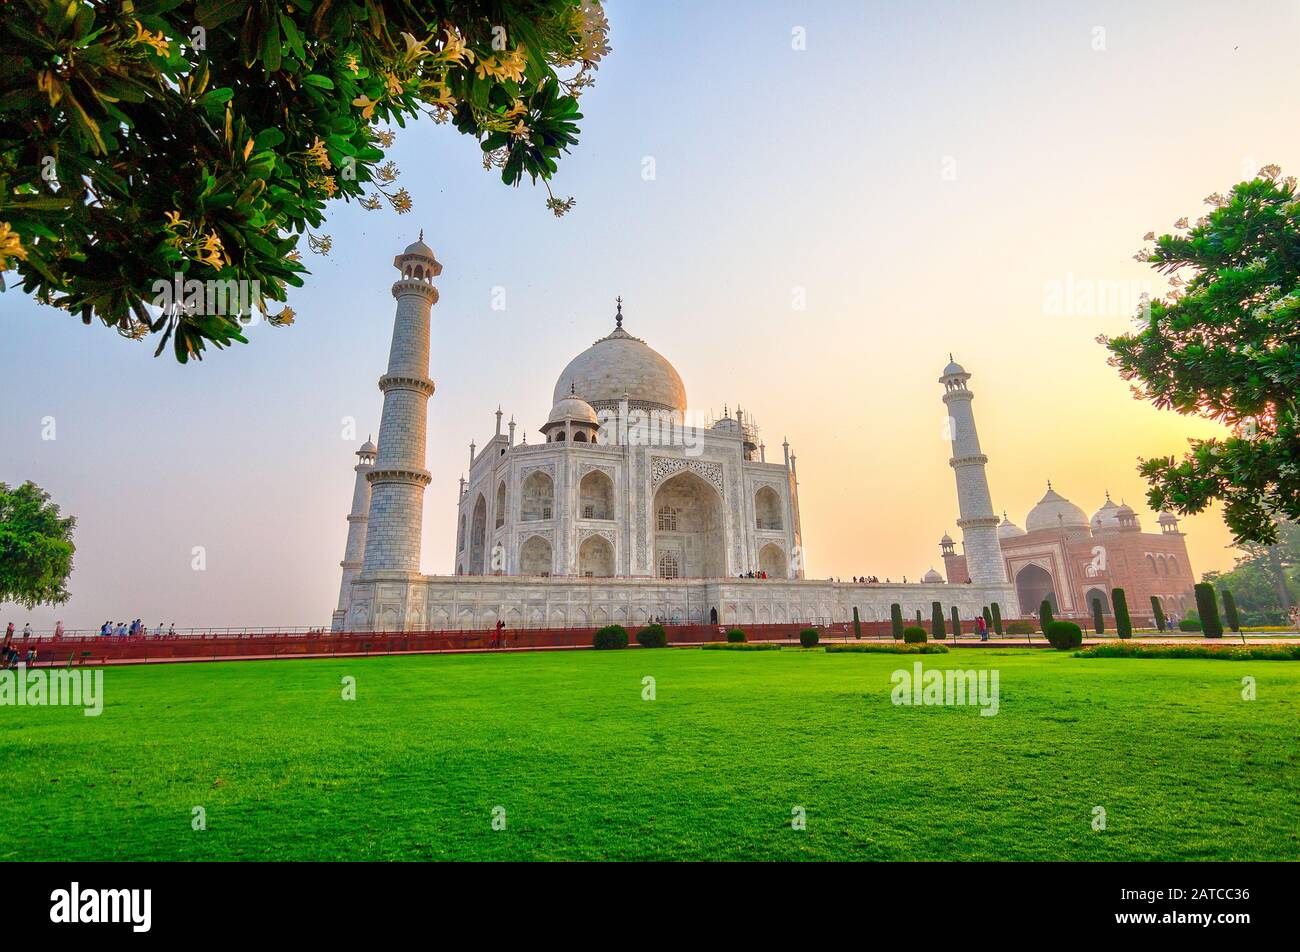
1064	635
652	636
1230	611
1045	617
808	637
1121	649
896	619
1158	611
741	646
956	623
887	648
1098	620
1208	610
1020	627
611	636
857	624
736	636
936	621
914	635
1189	624
997	618
988	619
1123	621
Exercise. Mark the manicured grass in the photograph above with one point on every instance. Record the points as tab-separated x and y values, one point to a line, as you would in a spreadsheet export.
711	769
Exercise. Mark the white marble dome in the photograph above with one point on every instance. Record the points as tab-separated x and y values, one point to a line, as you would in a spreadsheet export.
1008	529
1107	517
622	364
931	576
1054	511
572	408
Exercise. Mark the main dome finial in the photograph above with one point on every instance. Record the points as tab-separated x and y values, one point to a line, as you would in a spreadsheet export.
618	315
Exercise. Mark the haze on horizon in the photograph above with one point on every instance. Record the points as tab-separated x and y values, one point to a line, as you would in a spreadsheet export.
921	178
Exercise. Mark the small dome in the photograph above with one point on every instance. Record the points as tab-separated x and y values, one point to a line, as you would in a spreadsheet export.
1008	529
1054	511
932	576
946	539
953	368
418	247
1107	516
1167	519
368	448
572	408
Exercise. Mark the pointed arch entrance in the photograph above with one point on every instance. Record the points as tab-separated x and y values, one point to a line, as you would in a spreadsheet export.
689	527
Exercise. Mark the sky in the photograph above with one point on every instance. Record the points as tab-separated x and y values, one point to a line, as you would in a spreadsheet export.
804	207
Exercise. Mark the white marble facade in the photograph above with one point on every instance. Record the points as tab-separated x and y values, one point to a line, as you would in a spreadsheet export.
624	507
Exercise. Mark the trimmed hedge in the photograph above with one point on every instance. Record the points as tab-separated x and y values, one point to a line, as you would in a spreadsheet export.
1230	611
956	623
1064	635
887	649
652	636
936	621
896	620
1045	616
1189	624
808	637
1122	649
1123	622
741	646
857	624
1158	611
914	635
1020	627
611	636
1098	620
736	636
1208	610
997	618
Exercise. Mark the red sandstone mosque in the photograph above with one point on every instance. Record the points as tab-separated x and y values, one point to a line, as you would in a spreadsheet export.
1071	561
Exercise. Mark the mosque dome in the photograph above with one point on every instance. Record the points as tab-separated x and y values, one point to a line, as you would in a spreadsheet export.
620	364
953	368
572	408
1008	529
418	247
1054	511
932	576
368	448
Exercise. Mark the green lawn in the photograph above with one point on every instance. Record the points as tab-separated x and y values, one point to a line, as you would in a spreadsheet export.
711	769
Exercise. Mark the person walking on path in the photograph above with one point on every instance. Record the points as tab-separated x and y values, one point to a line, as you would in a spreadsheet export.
982	625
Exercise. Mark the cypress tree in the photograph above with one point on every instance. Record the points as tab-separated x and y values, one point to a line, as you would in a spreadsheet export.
1045	615
1158	612
1123	622
997	618
1208	608
857	624
1230	611
956	622
988	619
936	621
1098	621
896	620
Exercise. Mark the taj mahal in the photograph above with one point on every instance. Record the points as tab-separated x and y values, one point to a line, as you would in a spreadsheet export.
622	511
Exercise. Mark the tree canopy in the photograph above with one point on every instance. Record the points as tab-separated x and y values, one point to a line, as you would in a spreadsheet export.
148	139
1225	344
35	547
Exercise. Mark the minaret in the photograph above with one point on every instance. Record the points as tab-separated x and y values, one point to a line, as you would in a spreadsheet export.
356	545
398	479
978	523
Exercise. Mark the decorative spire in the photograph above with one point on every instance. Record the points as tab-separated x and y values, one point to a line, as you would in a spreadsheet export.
422	234
618	316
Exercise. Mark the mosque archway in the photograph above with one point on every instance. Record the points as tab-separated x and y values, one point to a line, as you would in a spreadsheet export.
535	556
596	557
697	539
772	561
596	496
477	536
1033	585
767	509
538	497
1097	595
